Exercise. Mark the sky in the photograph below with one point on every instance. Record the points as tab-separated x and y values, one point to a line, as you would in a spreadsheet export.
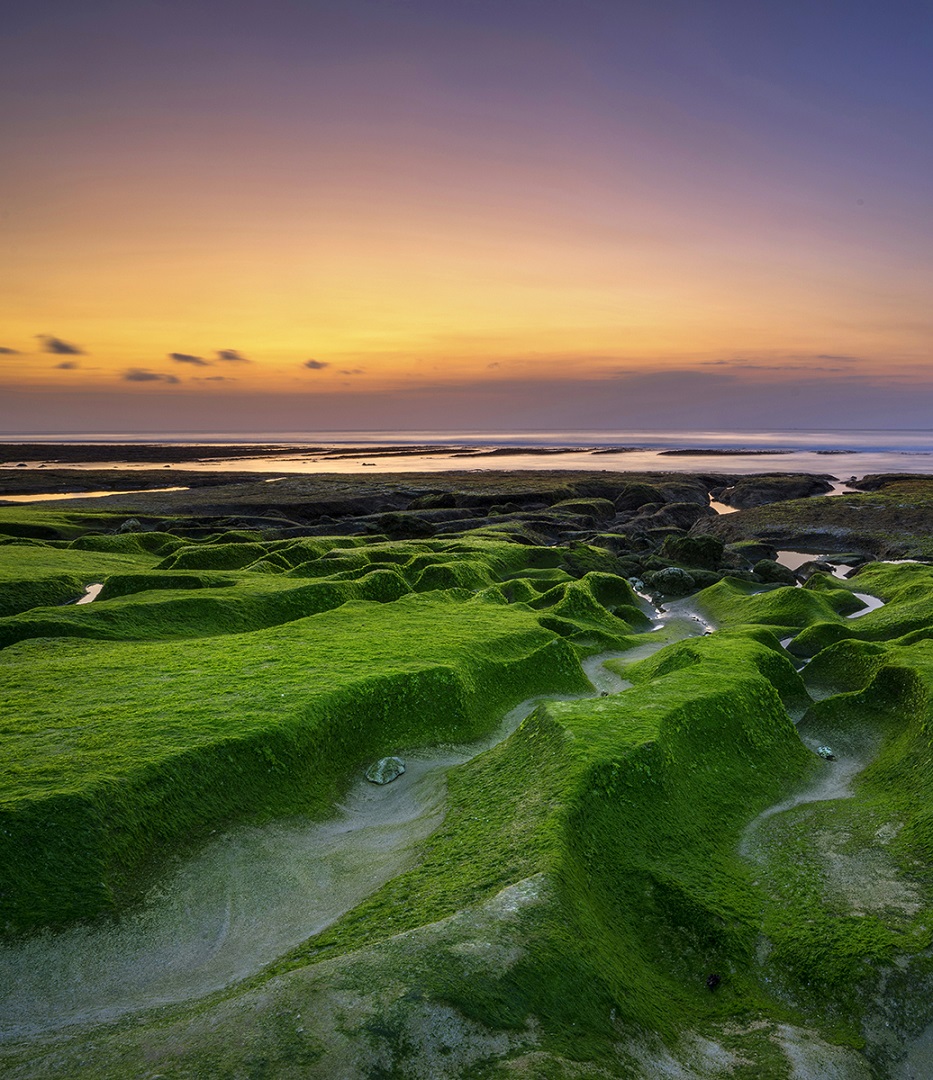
295	215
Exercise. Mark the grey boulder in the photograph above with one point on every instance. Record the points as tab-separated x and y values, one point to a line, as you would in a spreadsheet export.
385	770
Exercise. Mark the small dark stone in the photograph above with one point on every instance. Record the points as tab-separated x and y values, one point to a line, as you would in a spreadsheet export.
712	981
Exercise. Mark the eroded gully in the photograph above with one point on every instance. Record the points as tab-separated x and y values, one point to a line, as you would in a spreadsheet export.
253	893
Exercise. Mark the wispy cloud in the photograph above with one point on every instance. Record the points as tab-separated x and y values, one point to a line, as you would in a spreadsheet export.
232	356
353	371
8	352
216	378
316	365
842	357
67	365
798	365
187	358
142	375
52	344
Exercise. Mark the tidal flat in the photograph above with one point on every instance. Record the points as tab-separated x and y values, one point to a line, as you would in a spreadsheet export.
667	800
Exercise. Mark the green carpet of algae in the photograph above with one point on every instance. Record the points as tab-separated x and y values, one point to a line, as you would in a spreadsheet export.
629	812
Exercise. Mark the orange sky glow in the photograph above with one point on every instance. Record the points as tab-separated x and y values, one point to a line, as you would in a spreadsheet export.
405	226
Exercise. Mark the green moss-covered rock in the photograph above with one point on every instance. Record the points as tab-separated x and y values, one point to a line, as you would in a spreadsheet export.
671	581
596	509
773	573
703	552
732	603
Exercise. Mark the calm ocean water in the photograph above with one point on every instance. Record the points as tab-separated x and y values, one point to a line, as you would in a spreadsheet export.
841	453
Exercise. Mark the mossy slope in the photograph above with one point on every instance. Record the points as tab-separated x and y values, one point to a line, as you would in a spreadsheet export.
117	747
593	870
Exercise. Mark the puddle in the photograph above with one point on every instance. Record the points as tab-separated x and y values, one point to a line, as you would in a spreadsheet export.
721	507
793	560
48	497
91	593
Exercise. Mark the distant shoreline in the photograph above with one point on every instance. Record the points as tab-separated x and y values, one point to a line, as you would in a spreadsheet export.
867	453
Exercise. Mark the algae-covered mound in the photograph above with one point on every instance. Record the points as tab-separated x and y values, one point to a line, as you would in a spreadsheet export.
907	592
732	603
37	574
892	517
660	877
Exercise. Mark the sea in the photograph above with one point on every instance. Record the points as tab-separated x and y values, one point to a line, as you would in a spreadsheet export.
842	454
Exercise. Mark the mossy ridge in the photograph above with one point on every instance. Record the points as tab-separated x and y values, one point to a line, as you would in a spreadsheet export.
750	648
900	696
123	585
33	575
598	611
906	589
785	609
251	602
129	543
650	864
848	665
160	745
310	577
893	521
324	556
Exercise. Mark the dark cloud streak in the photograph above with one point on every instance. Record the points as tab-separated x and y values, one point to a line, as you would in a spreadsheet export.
141	375
52	344
187	358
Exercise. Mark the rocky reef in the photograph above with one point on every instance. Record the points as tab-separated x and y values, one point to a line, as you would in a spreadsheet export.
665	807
